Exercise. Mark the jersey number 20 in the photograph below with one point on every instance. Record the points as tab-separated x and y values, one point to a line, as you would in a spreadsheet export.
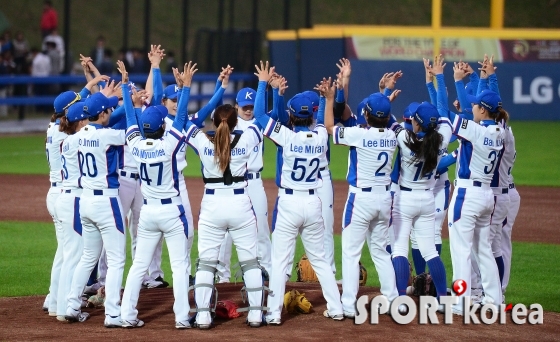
301	164
87	162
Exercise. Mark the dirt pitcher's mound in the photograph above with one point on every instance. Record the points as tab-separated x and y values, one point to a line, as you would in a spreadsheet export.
22	319
23	199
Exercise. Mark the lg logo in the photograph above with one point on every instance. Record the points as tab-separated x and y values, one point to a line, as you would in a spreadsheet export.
540	91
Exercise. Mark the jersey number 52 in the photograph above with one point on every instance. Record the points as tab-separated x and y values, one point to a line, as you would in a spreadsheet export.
301	166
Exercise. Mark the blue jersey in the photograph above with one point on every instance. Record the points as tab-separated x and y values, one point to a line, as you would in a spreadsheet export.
98	153
480	150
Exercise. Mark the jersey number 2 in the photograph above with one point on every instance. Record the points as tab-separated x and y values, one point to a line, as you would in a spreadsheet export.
301	164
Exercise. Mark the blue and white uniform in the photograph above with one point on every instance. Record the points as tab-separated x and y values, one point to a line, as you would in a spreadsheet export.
226	207
473	199
100	209
298	208
163	213
368	206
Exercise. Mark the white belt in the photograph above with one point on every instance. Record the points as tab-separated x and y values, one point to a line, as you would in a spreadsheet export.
101	192
379	189
163	201
465	183
283	191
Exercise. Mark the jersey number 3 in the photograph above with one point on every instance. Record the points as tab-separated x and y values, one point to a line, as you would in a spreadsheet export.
301	166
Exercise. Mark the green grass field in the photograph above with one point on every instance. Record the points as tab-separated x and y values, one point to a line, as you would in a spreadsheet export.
28	249
535	165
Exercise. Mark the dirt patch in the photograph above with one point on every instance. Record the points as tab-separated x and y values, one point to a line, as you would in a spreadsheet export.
23	199
23	319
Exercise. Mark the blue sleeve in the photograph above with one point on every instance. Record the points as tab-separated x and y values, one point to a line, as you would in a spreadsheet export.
432	92
274	112
279	112
493	80
482	85
209	107
387	92
84	93
339	96
445	162
462	95
392	121
158	86
128	107
321	111
216	89
121	124
350	122
116	116
395	173
442	99
260	111
474	80
182	105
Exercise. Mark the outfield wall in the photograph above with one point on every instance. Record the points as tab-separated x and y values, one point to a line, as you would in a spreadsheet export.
528	69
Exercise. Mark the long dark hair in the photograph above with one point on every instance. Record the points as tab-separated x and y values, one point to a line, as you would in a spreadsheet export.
376	122
225	119
500	115
426	149
301	122
67	126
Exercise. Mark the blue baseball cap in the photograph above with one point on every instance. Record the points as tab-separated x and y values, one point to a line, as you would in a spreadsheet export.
360	118
153	118
246	97
426	115
64	100
171	92
301	106
378	105
409	110
314	97
97	103
76	112
488	99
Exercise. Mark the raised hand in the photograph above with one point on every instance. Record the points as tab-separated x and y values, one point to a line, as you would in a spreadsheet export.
383	81
459	72
339	81
223	72
394	95
122	69
488	65
283	86
344	67
275	81
100	78
264	72
109	88
428	69
177	76
438	66
155	55
188	73
391	81
138	97
226	73
468	69
328	88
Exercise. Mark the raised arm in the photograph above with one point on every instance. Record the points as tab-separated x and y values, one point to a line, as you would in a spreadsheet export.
429	82
459	73
345	70
264	73
326	104
442	98
189	70
154	83
278	105
127	100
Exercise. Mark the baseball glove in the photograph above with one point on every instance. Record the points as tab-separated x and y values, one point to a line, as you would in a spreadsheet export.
424	286
305	272
295	302
97	300
227	309
363	275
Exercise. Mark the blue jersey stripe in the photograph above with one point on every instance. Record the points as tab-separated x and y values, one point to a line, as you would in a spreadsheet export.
275	214
349	209
117	214
496	177
447	186
175	172
459	201
183	220
352	175
77	224
279	163
257	133
112	158
465	160
396	172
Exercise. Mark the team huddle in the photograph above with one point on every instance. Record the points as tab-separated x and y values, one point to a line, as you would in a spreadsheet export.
116	155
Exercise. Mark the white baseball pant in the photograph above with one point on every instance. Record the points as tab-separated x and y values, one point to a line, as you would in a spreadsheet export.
515	202
52	196
157	220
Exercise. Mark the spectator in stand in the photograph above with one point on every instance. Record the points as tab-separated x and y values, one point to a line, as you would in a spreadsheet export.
3	88
171	63
106	66
21	49
49	19
59	41
41	67
98	52
139	66
7	44
54	56
124	58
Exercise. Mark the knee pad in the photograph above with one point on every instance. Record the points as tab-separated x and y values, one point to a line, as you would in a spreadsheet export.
244	267
208	266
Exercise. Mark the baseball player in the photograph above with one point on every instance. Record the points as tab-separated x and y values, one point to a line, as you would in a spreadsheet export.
368	206
100	209
298	208
245	101
163	213
224	156
67	206
473	200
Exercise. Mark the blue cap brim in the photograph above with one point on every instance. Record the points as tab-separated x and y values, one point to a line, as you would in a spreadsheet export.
246	103
471	99
171	97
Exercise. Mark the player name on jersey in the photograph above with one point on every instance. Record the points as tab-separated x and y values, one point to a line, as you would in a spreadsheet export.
490	142
147	154
379	143
89	142
307	149
234	151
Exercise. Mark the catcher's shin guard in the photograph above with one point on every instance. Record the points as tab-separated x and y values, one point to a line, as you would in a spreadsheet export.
205	293
254	291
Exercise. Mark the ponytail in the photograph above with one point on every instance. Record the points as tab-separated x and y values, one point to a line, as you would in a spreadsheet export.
225	119
426	149
67	126
501	115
